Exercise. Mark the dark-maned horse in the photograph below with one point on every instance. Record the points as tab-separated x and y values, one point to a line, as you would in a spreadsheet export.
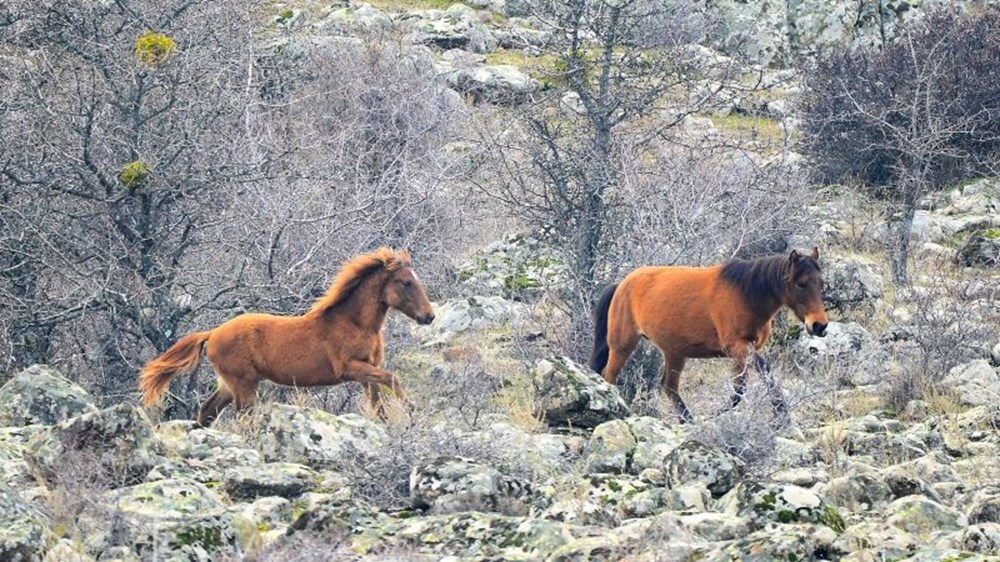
699	312
338	340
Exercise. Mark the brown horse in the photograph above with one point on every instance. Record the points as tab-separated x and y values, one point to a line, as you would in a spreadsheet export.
338	340
699	312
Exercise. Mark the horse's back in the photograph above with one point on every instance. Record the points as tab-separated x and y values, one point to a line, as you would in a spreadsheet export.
675	307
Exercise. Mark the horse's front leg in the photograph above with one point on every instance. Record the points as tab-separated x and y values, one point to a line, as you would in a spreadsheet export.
369	374
672	367
739	352
778	405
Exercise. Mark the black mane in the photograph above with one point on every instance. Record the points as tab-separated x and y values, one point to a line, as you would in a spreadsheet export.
762	281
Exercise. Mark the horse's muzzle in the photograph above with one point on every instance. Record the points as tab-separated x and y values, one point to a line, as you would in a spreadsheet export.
425	319
818	329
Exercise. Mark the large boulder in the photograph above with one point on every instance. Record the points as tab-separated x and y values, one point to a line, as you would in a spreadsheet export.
40	395
116	441
693	461
604	499
23	529
316	438
568	394
985	507
469	535
452	484
457	316
782	542
976	383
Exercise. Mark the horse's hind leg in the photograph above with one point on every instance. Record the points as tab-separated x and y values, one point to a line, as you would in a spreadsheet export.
672	367
214	405
622	341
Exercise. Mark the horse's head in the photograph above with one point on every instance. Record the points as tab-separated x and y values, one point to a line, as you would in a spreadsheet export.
404	292
804	291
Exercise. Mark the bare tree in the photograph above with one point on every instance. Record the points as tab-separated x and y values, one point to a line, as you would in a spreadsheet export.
910	118
600	161
167	168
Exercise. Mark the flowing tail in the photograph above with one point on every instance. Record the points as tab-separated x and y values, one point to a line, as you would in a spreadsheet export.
599	357
182	357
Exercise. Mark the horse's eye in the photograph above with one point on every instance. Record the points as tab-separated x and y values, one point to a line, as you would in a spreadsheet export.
801	285
407	283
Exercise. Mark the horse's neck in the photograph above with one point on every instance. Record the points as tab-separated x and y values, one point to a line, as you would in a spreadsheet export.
364	307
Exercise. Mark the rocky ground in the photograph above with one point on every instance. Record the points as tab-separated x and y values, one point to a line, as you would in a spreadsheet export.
515	452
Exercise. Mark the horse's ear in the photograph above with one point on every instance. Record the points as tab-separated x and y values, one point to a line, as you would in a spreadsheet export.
815	253
794	256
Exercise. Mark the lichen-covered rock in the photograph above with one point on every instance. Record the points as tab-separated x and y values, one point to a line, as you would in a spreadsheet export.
209	469
610	448
850	281
456	316
519	267
858	356
600	499
939	554
499	84
782	542
693	461
471	535
458	27
270	515
180	516
981	249
715	526
654	440
66	550
985	507
40	395
568	394
22	528
858	492
984	538
919	515
976	383
451	484
118	441
283	479
316	438
763	503
185	438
